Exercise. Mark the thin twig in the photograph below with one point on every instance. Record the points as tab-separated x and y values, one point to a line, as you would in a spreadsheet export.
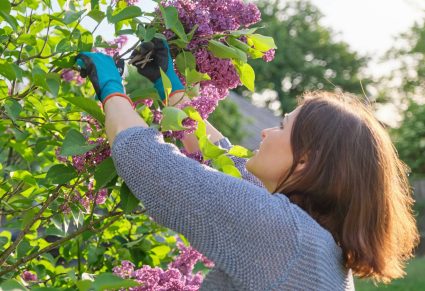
89	226
12	247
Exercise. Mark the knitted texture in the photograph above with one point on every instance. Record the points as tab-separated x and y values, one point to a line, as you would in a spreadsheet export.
257	241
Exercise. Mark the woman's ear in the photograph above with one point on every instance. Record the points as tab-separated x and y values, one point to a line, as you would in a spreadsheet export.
301	165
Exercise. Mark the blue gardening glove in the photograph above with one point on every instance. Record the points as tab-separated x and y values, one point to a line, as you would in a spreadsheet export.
102	72
149	57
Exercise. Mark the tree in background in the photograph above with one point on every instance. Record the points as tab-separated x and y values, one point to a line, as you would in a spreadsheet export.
308	57
407	86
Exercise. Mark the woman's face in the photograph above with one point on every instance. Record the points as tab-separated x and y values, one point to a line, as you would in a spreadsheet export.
273	160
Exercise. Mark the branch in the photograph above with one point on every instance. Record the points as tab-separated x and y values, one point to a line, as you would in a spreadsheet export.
12	247
17	3
39	56
57	243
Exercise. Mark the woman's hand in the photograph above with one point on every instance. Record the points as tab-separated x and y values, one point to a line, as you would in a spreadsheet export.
102	72
149	57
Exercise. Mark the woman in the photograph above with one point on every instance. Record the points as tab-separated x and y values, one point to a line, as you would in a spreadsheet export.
336	199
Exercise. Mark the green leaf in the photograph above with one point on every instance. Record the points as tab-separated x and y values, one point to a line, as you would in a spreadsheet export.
13	108
75	144
161	251
193	76
246	74
232	171
7	71
45	289
39	77
77	215
193	113
96	15
5	6
110	281
85	43
128	201
88	105
166	83
23	248
223	51
226	165
146	114
104	173
9	19
12	285
261	42
126	13
64	62
208	149
171	19
72	16
146	34
144	93
238	33
64	46
240	152
25	176
61	174
185	60
53	83
201	130
172	119
28	39
84	285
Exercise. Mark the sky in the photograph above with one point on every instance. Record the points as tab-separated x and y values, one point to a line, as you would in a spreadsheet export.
368	26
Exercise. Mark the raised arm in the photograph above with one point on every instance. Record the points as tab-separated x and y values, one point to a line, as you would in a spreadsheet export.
235	223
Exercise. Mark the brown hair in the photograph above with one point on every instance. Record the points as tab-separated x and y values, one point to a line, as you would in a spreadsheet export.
353	184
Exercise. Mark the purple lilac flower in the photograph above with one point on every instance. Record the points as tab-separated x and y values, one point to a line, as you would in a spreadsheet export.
117	44
269	55
197	156
93	157
28	276
59	157
157	116
178	276
222	72
125	270
70	75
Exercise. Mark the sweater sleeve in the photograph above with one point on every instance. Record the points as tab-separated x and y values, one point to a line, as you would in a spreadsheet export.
249	233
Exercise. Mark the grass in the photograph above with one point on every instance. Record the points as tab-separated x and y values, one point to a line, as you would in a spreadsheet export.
414	280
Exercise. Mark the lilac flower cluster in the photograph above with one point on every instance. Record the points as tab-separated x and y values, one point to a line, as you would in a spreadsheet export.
90	197
178	276
117	44
28	276
93	157
269	55
70	75
212	17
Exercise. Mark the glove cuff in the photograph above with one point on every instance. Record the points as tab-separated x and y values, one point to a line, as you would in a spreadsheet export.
117	95
176	85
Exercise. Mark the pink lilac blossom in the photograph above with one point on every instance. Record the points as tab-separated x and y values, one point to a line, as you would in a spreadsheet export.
93	157
212	16
269	55
70	75
28	276
117	44
177	277
91	124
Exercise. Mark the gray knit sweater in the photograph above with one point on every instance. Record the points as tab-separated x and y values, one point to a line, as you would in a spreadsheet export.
257	241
